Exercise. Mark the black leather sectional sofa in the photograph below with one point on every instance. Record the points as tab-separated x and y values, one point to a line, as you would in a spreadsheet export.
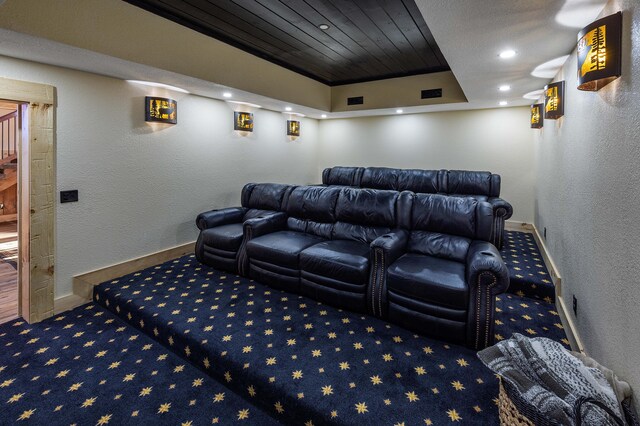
420	260
483	186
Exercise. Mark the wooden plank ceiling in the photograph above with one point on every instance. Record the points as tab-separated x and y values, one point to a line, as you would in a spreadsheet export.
366	39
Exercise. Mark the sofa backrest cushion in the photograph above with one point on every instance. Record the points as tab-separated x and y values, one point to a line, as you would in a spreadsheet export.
316	203
495	185
418	181
468	182
380	178
444	226
345	176
265	196
364	214
311	209
440	245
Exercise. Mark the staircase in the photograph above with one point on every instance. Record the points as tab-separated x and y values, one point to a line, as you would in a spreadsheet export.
8	165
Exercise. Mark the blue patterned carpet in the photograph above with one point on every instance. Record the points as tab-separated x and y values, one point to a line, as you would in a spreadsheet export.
87	367
528	274
308	363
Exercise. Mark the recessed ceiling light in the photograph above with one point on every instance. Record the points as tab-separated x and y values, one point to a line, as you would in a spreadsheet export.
504	88
399	111
324	116
504	103
161	85
506	54
323	27
287	108
227	94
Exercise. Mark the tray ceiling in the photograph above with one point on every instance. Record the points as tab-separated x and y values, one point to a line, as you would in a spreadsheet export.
365	40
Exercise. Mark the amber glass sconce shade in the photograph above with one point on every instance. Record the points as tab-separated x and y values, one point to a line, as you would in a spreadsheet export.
160	110
554	100
600	53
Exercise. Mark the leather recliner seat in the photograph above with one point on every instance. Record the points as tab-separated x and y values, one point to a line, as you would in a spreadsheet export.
440	275
220	242
274	246
483	186
323	248
337	271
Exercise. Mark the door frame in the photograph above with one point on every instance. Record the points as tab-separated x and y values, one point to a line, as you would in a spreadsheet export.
36	201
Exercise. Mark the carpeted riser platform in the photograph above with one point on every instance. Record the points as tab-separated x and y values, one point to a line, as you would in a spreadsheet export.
87	367
287	353
528	275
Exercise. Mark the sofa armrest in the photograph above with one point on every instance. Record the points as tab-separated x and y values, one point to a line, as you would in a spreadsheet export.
391	245
262	225
252	228
501	208
487	276
220	217
385	250
484	258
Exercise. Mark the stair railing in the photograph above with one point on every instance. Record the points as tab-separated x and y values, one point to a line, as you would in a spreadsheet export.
8	134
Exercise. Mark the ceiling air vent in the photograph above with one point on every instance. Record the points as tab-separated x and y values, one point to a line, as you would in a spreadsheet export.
356	100
431	93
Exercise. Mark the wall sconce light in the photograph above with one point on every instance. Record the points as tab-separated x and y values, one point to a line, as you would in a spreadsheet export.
600	52
293	128
554	100
537	118
243	121
160	110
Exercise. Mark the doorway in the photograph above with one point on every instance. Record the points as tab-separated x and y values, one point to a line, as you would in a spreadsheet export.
9	141
36	185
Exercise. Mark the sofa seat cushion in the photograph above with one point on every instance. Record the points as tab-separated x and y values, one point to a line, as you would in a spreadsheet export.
281	248
341	260
430	279
225	237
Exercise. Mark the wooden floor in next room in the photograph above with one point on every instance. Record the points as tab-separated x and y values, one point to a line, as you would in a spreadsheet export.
8	271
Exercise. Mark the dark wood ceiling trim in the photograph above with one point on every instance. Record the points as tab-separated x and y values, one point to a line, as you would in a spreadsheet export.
367	40
223	38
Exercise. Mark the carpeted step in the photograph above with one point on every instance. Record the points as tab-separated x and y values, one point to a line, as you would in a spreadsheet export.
528	275
87	367
305	362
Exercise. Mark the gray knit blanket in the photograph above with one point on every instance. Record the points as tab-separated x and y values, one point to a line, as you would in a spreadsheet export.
551	379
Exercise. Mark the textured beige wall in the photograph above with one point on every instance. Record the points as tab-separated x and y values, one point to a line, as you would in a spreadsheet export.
141	185
588	198
397	92
498	140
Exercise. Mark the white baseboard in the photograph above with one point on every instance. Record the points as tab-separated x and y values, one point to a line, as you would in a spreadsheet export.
567	321
83	284
66	303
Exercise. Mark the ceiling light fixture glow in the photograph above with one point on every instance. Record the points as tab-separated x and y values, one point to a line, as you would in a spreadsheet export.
506	54
504	88
504	103
534	95
323	27
287	108
399	111
227	94
323	116
161	85
550	68
578	13
245	103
